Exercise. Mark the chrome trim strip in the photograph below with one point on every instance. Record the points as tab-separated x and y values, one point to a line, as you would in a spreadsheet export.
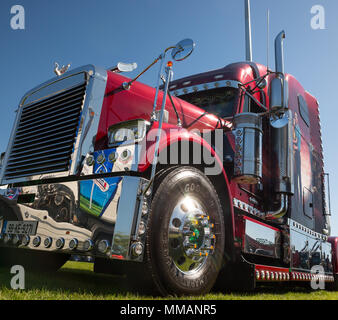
90	117
205	86
248	208
306	231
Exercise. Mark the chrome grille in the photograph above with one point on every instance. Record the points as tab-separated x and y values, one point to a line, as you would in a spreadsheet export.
46	134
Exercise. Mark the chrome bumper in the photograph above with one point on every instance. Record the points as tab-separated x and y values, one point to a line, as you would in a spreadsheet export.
98	217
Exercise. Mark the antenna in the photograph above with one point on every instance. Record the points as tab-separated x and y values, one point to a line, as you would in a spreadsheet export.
268	40
248	42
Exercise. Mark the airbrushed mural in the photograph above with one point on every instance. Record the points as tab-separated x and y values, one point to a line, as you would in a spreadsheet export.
96	196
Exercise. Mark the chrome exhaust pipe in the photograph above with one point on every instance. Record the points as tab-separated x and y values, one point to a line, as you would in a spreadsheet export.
279	52
282	157
281	211
281	126
279	86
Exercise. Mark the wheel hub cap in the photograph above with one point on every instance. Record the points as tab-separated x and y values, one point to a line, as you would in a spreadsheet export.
191	237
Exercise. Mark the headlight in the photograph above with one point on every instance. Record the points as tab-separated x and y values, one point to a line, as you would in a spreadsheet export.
127	132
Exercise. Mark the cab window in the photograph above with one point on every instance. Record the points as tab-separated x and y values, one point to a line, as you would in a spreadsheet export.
221	101
303	110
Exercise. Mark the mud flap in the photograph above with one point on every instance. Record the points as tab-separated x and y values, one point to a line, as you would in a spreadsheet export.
236	276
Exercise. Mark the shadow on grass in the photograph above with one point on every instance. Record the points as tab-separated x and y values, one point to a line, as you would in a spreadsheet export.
77	281
74	278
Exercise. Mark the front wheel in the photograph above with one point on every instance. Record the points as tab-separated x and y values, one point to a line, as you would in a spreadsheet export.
185	238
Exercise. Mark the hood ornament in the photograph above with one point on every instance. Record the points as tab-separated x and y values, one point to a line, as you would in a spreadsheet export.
60	71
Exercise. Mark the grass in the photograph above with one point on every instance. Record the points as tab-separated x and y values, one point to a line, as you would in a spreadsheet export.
76	281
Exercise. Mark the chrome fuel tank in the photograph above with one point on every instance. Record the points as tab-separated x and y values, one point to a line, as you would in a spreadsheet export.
248	149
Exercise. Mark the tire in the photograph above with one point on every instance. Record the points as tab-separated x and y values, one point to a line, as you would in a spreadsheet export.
181	257
35	261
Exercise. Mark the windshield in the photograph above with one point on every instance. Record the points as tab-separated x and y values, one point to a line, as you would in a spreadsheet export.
220	102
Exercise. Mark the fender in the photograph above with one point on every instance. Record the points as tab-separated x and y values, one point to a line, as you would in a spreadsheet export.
170	135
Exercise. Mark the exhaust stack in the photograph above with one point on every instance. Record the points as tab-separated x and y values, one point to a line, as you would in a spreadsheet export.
279	87
248	40
281	125
279	52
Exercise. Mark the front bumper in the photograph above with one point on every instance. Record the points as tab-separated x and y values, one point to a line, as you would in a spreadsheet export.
97	217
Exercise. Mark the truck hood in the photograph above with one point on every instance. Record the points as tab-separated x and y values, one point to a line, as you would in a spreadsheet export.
121	105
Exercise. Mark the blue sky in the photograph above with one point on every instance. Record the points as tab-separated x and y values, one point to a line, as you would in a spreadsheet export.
104	32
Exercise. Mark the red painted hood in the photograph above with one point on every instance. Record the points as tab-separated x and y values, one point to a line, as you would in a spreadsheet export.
137	103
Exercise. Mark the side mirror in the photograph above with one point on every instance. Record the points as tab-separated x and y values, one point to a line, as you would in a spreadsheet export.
179	52
276	94
183	50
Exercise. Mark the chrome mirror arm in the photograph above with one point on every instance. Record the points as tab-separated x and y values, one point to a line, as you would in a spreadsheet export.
169	74
162	57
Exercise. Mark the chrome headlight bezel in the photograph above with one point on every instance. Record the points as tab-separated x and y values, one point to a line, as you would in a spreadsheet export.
128	132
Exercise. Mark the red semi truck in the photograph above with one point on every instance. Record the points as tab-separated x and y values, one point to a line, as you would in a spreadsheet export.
218	180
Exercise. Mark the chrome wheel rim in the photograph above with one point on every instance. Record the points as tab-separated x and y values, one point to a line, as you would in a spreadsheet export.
190	234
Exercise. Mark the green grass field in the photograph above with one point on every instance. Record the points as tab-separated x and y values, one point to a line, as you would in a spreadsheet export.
76	281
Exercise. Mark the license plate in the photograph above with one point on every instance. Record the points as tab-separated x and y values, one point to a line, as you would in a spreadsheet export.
21	227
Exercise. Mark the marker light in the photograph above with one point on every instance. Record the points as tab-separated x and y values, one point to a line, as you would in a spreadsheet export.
88	245
103	246
73	244
137	249
90	160
7	238
36	241
142	228
25	240
60	243
16	239
48	242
